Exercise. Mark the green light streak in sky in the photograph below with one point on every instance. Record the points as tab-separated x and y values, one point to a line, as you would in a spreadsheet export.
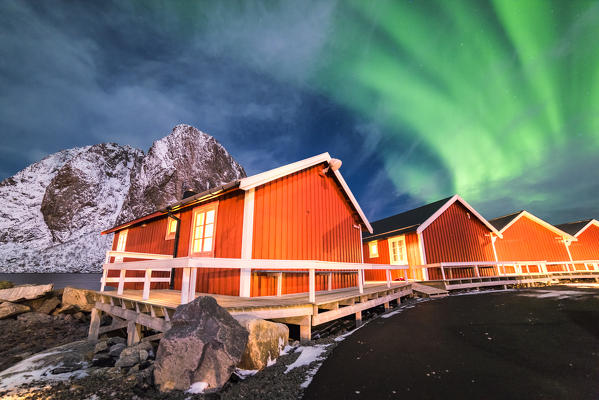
488	91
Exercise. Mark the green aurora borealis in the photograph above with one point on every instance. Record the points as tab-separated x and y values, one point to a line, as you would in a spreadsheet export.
486	92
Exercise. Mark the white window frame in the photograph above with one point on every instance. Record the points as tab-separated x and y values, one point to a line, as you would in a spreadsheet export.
373	244
171	235
196	211
402	239
121	244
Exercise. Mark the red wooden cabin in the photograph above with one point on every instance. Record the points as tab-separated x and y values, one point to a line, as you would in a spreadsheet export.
529	238
449	230
301	211
586	248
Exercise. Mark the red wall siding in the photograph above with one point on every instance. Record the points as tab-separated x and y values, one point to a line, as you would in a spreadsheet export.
456	236
304	216
525	240
413	251
587	246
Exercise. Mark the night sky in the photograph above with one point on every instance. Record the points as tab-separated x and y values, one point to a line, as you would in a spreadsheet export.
497	101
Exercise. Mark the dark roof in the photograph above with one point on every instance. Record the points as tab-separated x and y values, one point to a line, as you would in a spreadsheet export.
573	228
500	222
407	221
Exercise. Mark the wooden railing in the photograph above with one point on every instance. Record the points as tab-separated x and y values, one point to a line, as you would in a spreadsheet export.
190	266
484	269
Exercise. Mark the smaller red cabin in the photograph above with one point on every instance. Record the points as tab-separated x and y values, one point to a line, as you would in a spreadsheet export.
529	238
586	248
448	230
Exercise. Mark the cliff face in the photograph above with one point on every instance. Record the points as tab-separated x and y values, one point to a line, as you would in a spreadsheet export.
54	210
185	159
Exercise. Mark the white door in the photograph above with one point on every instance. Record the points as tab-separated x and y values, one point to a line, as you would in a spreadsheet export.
397	250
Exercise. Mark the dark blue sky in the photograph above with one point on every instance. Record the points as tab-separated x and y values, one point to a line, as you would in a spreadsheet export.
276	82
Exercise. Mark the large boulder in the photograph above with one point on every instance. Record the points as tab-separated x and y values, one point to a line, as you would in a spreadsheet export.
83	299
134	355
10	309
204	344
265	342
24	292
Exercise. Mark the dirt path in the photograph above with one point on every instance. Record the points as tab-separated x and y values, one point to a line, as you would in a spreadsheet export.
534	344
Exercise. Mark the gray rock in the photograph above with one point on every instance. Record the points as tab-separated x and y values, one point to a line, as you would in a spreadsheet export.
134	355
81	298
102	360
24	292
66	309
116	349
48	305
101	346
265	342
34	317
204	344
115	340
79	315
10	309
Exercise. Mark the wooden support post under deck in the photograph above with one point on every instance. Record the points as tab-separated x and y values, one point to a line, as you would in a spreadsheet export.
358	319
94	325
387	306
133	333
306	330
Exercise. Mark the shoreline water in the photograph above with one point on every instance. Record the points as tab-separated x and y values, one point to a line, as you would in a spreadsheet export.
59	279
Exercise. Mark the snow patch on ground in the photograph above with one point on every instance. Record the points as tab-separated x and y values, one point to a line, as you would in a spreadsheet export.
34	369
245	373
308	355
475	292
392	313
197	388
555	294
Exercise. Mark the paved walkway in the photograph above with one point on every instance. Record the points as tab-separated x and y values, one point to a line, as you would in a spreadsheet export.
530	344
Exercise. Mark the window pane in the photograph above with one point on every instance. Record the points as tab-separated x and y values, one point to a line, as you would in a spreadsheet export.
208	244
210	217
200	219
198	233
197	246
209	230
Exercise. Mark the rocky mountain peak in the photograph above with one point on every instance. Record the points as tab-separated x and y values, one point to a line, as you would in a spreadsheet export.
185	159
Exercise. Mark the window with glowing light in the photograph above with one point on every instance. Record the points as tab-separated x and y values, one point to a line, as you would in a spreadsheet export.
171	227
397	250
203	230
373	249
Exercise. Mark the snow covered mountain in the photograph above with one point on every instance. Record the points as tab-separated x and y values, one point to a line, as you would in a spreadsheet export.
54	210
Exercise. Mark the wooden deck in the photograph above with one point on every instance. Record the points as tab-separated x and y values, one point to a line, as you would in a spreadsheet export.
155	313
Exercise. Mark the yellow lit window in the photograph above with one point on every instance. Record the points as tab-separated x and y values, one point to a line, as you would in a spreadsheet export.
204	221
373	249
171	227
397	250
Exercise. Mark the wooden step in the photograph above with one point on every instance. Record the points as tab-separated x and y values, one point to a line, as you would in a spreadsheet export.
428	291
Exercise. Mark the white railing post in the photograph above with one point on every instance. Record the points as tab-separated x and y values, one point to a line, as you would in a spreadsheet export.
476	270
103	281
312	285
360	282
442	271
405	275
279	284
330	282
388	276
147	279
185	286
192	284
121	282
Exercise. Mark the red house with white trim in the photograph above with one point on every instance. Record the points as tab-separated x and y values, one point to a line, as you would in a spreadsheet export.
300	211
529	238
448	230
586	248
